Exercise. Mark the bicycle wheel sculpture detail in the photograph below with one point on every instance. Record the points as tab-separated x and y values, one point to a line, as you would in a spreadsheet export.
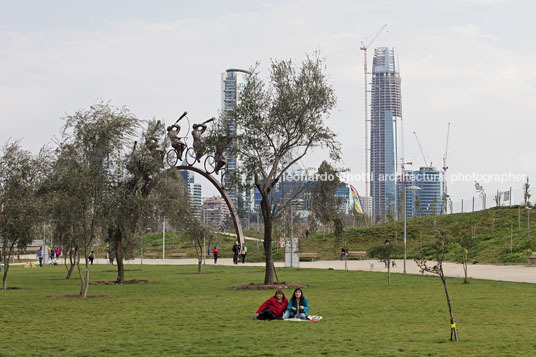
172	157
210	164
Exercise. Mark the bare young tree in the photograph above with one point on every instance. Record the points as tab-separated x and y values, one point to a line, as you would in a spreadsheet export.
526	192
482	193
440	248
279	123
200	234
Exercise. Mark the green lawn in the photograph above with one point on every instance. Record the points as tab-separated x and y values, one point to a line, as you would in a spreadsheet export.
181	313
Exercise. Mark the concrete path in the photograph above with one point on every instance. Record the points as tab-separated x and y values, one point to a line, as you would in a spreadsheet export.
514	273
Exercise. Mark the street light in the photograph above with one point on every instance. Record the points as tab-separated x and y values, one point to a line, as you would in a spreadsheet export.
411	188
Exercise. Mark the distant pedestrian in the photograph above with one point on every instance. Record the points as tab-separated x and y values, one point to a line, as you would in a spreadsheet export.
110	255
58	252
243	252
91	257
52	254
236	252
40	256
215	254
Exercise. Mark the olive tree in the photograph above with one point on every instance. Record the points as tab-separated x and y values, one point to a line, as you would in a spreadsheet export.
279	121
97	138
21	211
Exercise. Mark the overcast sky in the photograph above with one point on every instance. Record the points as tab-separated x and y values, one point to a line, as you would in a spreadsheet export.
468	62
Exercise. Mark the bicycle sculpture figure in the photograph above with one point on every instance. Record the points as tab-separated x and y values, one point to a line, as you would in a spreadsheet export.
194	153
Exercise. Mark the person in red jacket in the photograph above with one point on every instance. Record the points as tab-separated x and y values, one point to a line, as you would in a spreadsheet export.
273	308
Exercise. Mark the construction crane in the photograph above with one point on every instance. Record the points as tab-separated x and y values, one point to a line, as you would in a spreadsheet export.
445	167
364	48
422	152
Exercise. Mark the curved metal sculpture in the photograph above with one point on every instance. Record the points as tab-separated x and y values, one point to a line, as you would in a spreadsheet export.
223	193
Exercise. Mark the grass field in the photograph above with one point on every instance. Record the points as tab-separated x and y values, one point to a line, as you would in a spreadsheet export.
181	313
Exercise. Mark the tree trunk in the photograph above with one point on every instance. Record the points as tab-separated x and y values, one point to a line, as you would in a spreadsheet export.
267	216
388	269
80	275
118	242
199	264
465	281
6	258
85	281
4	278
453	330
72	261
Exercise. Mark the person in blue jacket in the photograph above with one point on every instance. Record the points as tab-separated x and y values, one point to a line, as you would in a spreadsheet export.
297	306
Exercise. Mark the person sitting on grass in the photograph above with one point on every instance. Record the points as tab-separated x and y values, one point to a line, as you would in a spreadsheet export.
273	308
297	307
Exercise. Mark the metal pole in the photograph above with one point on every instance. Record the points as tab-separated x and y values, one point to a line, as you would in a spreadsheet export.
404	207
519	217
291	237
164	239
141	245
405	219
511	236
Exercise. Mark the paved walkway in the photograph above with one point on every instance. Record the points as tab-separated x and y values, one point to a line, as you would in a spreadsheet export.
514	273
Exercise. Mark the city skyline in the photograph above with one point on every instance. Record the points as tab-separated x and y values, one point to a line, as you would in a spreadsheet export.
463	62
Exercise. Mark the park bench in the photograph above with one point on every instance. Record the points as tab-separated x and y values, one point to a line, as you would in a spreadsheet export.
177	255
532	257
152	255
312	256
356	254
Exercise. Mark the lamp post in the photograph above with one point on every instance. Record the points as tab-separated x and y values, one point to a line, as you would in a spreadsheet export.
411	188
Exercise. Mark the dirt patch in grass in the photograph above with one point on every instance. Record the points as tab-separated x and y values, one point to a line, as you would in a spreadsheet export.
260	286
77	296
13	288
133	281
196	273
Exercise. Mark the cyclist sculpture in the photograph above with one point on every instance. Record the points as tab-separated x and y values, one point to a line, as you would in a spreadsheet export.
198	130
176	141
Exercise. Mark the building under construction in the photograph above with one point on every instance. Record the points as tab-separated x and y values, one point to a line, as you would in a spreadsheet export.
386	109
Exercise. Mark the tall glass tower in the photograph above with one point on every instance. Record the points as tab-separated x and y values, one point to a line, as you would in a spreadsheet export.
231	83
427	200
386	109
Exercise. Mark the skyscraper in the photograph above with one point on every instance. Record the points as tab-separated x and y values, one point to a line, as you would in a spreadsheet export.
427	200
194	191
386	109
231	83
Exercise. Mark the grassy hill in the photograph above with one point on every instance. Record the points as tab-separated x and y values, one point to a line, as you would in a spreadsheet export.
490	228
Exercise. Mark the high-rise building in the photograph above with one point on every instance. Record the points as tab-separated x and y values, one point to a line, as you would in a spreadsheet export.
215	211
194	191
427	200
344	194
231	83
386	109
